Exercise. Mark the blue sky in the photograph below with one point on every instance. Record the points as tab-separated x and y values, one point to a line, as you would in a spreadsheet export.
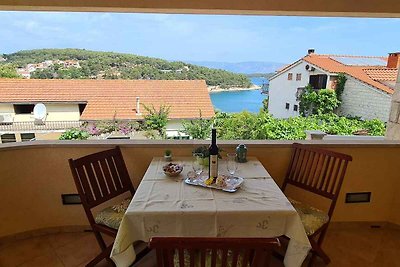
199	37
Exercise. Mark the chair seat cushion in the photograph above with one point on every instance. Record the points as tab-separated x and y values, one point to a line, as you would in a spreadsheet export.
112	216
312	218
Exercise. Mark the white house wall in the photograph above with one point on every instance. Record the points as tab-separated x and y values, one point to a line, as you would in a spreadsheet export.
174	124
361	100
282	91
55	112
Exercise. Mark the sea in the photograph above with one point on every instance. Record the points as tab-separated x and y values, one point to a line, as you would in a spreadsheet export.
237	101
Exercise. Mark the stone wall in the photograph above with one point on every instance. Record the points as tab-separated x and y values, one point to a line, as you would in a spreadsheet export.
393	125
363	101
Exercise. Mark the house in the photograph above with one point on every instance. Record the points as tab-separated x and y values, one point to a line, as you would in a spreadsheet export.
71	64
69	103
367	92
24	73
30	67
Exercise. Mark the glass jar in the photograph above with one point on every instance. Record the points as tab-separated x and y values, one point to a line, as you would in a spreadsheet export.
241	152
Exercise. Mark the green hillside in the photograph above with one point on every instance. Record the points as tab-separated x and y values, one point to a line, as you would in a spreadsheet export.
110	65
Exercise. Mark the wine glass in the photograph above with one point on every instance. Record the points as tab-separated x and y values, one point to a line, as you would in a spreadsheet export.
231	164
197	165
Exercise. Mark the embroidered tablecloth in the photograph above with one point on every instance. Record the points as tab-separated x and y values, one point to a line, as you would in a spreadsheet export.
166	206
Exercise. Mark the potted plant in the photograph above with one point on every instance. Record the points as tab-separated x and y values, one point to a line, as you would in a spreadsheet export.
168	155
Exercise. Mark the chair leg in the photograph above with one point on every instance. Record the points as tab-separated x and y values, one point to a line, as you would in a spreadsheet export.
312	259
321	237
316	249
100	240
105	254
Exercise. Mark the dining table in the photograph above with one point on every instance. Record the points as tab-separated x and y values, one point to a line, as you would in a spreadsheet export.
167	206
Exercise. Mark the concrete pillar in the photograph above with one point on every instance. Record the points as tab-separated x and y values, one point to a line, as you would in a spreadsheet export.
315	135
328	82
393	125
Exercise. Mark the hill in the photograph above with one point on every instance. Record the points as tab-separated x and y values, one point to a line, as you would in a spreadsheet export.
110	65
249	67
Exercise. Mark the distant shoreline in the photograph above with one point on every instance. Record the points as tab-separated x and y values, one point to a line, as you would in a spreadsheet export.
217	89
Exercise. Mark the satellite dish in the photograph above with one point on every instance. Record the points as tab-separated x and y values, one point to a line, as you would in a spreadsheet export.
39	112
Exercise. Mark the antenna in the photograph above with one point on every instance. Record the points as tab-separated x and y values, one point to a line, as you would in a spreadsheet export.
39	113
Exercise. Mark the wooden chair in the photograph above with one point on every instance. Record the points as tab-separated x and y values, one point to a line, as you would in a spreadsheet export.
100	177
212	252
321	172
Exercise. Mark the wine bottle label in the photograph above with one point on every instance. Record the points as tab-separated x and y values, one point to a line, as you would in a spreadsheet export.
214	166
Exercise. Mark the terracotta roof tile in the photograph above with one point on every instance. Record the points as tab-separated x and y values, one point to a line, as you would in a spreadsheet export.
107	99
362	73
382	74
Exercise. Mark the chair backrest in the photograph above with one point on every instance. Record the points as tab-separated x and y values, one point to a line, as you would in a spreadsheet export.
100	177
317	170
212	252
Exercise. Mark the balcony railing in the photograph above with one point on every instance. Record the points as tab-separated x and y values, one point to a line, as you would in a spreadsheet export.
32	126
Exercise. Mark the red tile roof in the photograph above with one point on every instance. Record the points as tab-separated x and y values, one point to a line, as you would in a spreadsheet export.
382	74
372	75
109	99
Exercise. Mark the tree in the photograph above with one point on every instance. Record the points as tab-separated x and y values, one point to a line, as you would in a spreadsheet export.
43	74
8	71
265	103
156	119
199	128
128	66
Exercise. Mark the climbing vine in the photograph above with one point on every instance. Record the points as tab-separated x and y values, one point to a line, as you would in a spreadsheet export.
341	81
318	102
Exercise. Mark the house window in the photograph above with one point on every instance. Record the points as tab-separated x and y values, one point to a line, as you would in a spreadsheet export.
298	77
8	138
27	137
290	76
23	108
318	81
287	106
295	108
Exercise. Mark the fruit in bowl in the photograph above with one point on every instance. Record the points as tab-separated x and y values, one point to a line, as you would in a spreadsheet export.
172	169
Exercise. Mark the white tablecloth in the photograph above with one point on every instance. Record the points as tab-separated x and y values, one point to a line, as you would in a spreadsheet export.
164	206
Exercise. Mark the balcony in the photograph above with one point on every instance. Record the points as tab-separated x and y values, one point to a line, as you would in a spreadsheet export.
32	126
35	224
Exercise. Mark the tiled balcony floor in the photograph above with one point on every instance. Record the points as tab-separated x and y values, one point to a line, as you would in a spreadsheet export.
355	246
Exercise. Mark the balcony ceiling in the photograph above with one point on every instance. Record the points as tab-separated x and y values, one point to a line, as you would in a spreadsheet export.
349	8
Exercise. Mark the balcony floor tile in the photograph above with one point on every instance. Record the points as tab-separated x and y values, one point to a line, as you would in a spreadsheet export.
361	246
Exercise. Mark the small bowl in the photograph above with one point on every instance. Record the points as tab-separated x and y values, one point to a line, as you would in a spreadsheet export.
172	169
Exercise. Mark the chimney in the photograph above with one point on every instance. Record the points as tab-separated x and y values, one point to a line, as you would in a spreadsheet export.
310	51
137	105
393	60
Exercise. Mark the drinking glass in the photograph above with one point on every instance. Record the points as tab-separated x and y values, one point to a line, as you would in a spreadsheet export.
197	163
231	164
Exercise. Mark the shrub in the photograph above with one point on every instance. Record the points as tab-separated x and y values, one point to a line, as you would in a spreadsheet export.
263	125
75	134
199	128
